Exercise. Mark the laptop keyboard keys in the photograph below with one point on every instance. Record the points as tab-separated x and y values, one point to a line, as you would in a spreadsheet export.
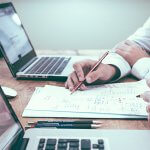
42	140
71	144
100	141
51	142
85	144
62	66
49	65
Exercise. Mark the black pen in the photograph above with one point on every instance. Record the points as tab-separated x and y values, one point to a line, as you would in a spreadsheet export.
68	126
68	122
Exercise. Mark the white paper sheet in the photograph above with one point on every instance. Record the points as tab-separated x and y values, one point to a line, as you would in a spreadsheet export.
119	98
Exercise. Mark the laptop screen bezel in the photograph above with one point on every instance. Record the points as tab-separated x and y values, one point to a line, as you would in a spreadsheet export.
19	135
15	67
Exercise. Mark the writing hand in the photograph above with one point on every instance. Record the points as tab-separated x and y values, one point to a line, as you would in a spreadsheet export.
102	74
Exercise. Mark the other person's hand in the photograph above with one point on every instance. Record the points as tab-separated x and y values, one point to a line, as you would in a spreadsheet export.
146	97
130	51
102	74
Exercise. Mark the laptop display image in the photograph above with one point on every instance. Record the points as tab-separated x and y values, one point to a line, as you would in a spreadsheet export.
20	55
12	136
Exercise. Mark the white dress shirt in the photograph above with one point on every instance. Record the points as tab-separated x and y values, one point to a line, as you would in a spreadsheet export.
141	69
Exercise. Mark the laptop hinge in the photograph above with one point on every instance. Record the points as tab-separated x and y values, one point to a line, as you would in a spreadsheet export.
28	64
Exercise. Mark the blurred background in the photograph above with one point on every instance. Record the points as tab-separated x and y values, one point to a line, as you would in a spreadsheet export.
80	24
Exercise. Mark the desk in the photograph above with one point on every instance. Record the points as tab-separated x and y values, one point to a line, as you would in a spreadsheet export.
25	89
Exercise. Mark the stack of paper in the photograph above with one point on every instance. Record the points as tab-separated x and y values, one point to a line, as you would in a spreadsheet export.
116	100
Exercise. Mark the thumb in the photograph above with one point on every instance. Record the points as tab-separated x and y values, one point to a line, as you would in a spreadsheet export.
148	82
148	108
146	96
93	76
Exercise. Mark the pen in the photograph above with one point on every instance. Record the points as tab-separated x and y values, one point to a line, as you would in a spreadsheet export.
138	96
67	122
145	96
69	126
94	67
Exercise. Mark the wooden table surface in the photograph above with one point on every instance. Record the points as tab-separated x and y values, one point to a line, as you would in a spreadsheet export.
25	89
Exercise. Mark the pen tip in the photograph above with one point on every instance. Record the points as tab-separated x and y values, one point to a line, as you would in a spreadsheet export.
96	126
138	96
72	92
97	122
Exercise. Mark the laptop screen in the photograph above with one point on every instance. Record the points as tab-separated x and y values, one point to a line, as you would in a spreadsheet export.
9	127
12	35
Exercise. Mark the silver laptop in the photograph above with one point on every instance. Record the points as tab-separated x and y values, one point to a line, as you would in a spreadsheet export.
20	55
12	136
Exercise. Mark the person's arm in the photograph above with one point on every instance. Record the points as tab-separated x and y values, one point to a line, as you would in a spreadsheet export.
136	49
142	36
138	58
141	69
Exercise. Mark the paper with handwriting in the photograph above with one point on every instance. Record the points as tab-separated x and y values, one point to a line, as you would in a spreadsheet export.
116	98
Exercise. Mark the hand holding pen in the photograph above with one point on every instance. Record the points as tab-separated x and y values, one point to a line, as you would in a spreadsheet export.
146	97
101	74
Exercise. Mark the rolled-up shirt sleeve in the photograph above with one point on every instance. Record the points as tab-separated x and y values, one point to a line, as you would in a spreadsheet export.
141	69
119	62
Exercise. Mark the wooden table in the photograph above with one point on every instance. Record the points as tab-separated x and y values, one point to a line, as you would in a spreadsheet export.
25	88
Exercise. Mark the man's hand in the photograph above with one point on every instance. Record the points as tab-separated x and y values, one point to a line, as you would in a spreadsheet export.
102	74
146	97
130	51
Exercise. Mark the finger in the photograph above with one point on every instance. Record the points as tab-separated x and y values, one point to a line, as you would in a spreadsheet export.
79	71
83	87
74	78
82	67
146	96
122	53
70	83
148	108
92	77
148	111
148	82
66	85
95	75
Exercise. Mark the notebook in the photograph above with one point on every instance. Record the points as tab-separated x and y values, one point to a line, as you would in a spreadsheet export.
12	135
20	55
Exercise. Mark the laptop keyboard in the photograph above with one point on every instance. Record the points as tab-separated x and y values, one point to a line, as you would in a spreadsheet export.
49	65
71	144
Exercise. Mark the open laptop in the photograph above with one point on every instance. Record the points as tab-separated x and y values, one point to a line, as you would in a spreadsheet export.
12	136
20	55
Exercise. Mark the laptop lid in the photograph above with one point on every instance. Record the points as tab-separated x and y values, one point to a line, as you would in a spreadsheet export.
10	127
14	42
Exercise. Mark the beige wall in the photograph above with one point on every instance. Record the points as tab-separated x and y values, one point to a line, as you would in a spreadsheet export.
71	24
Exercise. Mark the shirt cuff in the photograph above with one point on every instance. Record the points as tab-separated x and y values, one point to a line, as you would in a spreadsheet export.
141	69
118	61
